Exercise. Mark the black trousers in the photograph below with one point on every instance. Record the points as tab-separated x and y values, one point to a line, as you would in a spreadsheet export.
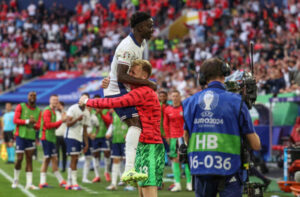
60	145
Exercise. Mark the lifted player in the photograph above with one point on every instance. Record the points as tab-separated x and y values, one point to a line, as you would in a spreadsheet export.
130	48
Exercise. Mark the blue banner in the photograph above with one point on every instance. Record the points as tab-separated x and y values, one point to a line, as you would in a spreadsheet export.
68	90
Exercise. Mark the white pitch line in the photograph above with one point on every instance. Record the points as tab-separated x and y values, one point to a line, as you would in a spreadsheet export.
89	190
84	188
10	179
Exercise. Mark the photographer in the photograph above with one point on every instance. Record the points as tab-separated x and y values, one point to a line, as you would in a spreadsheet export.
213	118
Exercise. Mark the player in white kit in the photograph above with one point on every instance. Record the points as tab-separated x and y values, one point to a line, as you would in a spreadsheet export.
77	121
130	48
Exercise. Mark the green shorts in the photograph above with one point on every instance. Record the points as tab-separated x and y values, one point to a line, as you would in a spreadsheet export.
150	159
173	147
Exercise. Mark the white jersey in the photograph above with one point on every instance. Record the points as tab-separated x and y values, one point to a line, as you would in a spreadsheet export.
76	131
93	122
127	51
61	130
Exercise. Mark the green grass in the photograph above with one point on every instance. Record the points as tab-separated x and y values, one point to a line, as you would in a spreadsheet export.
7	191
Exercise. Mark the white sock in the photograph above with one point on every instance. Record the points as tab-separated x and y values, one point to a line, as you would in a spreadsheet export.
132	140
86	167
69	181
43	178
28	179
96	166
122	166
74	177
115	172
58	176
16	174
106	164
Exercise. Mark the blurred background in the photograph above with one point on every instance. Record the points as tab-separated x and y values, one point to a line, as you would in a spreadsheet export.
65	47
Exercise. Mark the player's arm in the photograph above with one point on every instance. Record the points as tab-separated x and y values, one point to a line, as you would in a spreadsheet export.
47	120
186	137
124	77
166	123
71	121
106	118
133	98
38	123
85	138
109	132
17	117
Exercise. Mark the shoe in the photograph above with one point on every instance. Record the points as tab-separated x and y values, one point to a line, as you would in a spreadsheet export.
15	184
86	181
107	177
132	175
32	187
68	187
63	184
10	162
176	188
76	187
96	179
171	186
189	187
266	185
129	188
121	183
111	188
45	185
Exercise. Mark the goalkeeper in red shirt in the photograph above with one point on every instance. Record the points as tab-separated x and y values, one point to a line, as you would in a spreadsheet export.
173	126
150	150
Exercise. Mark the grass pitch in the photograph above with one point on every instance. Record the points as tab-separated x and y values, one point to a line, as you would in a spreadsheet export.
96	189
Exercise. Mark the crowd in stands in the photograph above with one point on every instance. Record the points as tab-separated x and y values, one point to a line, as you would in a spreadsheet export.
40	39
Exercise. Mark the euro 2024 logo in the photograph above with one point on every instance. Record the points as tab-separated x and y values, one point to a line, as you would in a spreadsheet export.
208	101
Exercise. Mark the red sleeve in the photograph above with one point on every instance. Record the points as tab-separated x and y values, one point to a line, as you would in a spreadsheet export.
47	121
134	98
107	119
38	124
166	122
17	117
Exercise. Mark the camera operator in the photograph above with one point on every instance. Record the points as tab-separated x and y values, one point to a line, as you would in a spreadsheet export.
213	118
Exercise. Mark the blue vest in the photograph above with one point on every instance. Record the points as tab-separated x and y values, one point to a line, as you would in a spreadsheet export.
211	118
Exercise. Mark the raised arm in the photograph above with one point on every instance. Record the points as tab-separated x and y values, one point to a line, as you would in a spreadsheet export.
47	121
133	98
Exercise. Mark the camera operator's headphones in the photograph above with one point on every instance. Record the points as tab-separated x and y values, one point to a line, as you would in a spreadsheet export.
226	70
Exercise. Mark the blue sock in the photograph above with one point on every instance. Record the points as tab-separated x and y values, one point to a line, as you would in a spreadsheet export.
8	149
11	154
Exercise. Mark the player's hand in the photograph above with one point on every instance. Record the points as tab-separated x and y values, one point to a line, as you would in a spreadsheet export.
168	140
105	82
64	117
82	100
80	118
85	149
32	120
152	85
93	136
108	136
